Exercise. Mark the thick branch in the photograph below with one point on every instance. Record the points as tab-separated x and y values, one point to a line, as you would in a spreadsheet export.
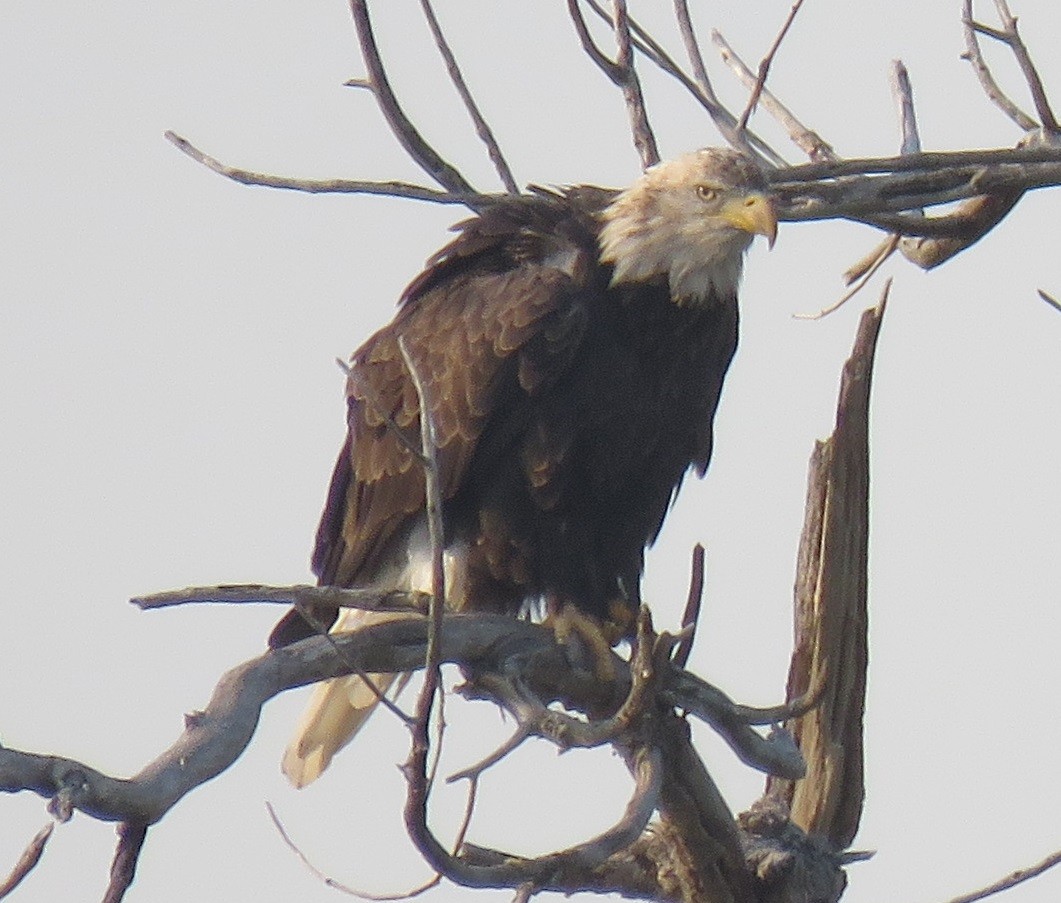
215	737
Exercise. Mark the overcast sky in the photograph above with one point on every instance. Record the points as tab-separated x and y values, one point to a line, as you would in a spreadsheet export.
170	410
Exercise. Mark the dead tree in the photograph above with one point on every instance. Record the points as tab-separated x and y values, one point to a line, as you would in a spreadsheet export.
792	845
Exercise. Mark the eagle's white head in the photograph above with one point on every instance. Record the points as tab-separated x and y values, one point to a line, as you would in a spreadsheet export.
690	219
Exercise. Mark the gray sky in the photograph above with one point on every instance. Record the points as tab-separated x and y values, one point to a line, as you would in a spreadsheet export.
171	409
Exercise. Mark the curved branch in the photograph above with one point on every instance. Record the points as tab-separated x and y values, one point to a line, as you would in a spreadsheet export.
563	871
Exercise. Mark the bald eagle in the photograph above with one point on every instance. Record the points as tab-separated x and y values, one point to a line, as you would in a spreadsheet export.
573	345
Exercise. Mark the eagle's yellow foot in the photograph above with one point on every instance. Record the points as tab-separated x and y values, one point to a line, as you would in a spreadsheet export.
567	621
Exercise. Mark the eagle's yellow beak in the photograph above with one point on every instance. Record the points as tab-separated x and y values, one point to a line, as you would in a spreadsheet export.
753	213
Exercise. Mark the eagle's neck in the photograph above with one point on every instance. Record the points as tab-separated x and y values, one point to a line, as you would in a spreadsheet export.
701	262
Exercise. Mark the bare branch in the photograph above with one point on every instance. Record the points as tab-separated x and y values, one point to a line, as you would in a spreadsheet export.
302	596
131	837
468	198
903	92
564	870
987	81
765	64
691	615
810	142
1050	299
644	140
692	49
862	272
1011	880
747	142
621	73
928	162
1009	35
28	860
425	156
482	128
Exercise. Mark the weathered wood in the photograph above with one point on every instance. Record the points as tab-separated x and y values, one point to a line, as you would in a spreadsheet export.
831	620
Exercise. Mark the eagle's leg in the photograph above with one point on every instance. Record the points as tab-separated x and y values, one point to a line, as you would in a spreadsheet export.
566	621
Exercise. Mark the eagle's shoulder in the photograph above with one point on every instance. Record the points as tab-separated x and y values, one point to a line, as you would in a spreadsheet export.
497	316
547	228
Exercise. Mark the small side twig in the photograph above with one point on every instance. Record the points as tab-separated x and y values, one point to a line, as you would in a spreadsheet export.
861	274
903	92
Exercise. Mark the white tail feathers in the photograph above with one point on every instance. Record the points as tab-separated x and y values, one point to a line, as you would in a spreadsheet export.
336	711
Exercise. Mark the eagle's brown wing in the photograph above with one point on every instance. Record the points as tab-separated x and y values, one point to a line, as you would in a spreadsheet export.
476	342
497	315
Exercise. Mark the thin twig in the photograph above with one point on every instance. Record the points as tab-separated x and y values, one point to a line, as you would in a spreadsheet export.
983	73
748	143
422	153
334	883
482	128
1011	880
416	766
691	615
807	140
1050	299
433	508
28	860
641	131
886	249
1010	36
472	772
373	398
764	66
306	596
621	73
470	198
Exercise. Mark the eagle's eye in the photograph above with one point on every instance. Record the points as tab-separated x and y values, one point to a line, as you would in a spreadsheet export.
707	192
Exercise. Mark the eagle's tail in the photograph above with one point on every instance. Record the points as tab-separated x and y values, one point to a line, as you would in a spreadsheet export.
336	711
